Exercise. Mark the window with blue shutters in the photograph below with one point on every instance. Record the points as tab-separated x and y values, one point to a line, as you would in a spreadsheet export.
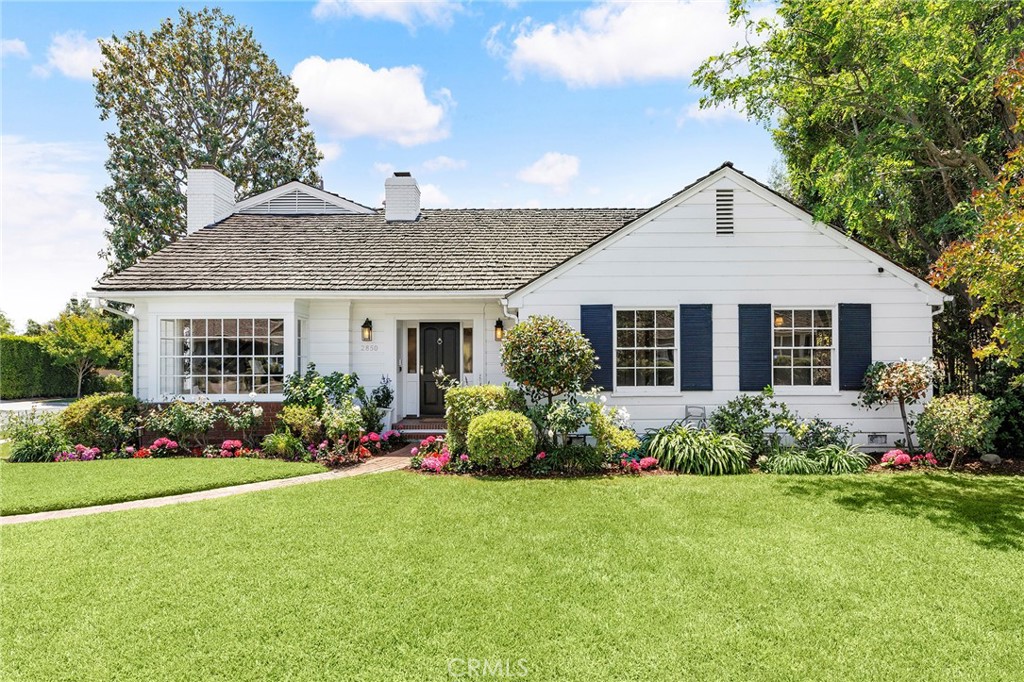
645	348
803	347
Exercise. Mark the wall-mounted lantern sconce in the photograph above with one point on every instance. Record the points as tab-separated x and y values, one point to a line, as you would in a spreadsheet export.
367	330
499	330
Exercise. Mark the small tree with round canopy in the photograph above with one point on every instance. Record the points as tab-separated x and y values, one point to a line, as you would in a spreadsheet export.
547	357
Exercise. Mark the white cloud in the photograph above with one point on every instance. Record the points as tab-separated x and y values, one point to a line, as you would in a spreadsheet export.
431	196
410	14
383	168
13	47
615	42
717	112
553	169
442	163
52	224
330	150
350	99
73	55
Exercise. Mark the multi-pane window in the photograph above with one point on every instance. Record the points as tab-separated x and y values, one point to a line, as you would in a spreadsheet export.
301	345
645	348
803	348
221	356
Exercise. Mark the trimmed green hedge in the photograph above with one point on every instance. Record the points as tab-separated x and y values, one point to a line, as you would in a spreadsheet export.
26	371
464	403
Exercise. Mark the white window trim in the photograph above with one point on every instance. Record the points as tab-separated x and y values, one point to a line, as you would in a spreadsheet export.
289	358
645	390
832	389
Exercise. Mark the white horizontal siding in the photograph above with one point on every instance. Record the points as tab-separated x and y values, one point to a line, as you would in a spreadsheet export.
773	257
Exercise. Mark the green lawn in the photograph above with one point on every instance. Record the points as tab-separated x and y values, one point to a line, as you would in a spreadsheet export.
31	487
389	577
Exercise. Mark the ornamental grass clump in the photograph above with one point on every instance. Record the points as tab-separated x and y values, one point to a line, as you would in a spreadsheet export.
682	448
503	438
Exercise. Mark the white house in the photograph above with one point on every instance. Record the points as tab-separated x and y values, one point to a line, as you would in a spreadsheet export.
722	288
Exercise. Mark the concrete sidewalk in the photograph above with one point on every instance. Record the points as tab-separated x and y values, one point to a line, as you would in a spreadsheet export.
376	465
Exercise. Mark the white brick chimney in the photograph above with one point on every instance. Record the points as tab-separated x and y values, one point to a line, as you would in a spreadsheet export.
401	197
210	195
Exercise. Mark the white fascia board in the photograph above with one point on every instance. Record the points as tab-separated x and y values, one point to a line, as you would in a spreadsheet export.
127	296
271	194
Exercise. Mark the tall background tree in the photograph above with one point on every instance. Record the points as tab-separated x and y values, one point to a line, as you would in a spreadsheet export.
887	119
990	262
198	91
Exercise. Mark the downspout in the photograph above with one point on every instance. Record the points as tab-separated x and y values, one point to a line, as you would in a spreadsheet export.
508	313
135	342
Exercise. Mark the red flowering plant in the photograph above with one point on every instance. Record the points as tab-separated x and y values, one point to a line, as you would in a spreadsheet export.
898	459
141	453
632	464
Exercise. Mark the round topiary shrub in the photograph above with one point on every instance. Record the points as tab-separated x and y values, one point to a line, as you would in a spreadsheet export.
547	357
503	437
463	403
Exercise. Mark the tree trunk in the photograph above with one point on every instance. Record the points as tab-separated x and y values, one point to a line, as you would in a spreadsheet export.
906	427
81	376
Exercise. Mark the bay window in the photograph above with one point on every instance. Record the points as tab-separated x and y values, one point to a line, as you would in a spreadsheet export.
221	356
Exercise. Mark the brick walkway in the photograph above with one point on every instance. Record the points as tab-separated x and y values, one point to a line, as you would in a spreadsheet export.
392	462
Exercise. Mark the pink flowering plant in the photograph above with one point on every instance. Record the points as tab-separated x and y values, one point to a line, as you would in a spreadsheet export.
898	459
79	453
333	455
165	447
432	454
631	464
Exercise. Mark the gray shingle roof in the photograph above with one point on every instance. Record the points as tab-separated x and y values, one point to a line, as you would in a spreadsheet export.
445	250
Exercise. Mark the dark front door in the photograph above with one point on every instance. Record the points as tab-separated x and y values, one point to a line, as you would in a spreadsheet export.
439	347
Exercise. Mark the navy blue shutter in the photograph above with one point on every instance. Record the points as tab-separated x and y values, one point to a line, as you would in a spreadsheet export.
695	348
597	325
854	344
755	347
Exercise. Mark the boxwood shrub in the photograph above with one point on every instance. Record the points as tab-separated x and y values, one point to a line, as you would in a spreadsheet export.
503	437
103	420
463	403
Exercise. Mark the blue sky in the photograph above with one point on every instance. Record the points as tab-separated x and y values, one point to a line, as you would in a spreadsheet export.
488	104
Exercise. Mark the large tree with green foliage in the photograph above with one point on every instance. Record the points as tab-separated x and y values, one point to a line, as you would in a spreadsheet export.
990	263
199	91
886	115
82	342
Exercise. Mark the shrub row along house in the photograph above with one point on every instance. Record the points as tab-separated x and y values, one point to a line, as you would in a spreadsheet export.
724	287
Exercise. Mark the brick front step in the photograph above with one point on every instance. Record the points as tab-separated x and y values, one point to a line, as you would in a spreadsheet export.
422	426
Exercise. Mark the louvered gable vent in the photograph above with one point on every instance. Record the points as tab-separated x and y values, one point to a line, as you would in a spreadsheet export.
295	201
724	211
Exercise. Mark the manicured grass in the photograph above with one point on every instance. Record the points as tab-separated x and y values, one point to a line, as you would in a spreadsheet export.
388	577
32	487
